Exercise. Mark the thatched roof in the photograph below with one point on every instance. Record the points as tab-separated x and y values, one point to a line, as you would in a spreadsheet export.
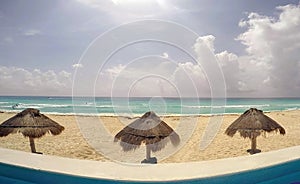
31	123
253	121
149	130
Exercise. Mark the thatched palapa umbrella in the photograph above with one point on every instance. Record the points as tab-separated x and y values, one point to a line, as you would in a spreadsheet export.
31	123
149	130
251	124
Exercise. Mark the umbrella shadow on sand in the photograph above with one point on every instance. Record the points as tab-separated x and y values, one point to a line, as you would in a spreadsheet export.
149	130
251	124
31	123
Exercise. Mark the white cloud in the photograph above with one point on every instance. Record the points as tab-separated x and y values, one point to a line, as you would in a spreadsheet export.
155	77
32	32
231	70
19	81
190	79
137	79
273	45
165	55
77	65
271	66
267	80
91	3
115	71
124	10
207	40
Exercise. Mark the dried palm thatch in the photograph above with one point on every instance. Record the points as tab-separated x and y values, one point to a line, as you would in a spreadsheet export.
31	123
149	130
251	124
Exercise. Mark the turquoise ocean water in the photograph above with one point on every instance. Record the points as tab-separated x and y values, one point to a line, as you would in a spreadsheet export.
138	106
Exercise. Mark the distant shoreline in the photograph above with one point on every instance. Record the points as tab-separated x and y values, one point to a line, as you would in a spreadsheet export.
43	96
139	115
136	107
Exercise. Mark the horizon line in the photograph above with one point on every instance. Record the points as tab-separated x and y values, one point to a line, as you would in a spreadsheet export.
203	97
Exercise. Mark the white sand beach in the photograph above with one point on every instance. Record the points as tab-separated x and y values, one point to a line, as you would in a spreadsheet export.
71	142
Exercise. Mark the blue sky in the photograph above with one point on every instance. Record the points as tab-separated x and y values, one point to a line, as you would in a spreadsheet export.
41	42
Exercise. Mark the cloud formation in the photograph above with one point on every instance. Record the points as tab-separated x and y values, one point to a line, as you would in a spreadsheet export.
32	32
165	55
270	67
77	65
124	10
273	49
35	82
154	76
